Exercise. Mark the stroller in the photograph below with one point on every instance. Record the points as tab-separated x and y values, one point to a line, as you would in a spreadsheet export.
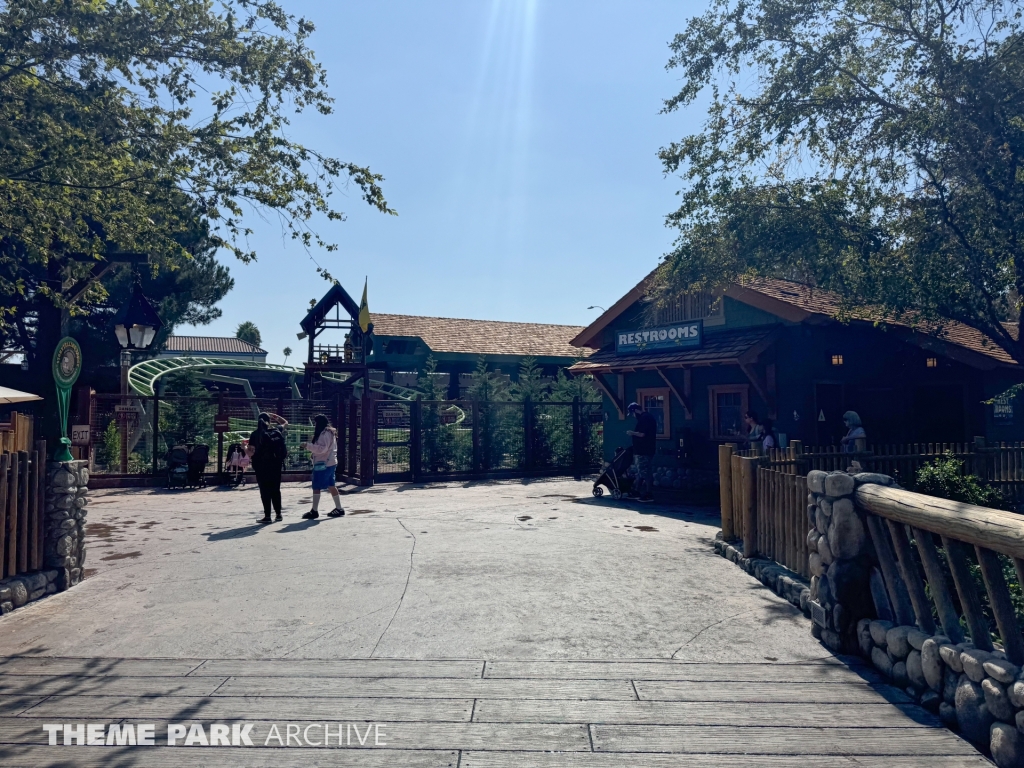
614	476
186	465
236	463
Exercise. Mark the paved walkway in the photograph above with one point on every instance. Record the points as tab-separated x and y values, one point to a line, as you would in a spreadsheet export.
504	624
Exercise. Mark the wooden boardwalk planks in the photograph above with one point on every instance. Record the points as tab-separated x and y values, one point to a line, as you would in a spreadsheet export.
476	714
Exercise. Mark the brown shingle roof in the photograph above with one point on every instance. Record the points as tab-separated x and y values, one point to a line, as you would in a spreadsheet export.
212	344
816	301
481	337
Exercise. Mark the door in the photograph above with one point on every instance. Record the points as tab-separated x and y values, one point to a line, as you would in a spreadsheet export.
828	412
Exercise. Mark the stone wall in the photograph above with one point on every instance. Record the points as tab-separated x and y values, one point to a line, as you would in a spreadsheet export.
978	693
64	538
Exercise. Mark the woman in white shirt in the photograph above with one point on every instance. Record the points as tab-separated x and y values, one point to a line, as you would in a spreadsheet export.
324	451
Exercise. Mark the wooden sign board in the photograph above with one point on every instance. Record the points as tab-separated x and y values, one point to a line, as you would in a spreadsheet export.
220	424
80	434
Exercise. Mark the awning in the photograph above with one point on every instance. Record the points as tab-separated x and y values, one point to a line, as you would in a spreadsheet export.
720	348
8	396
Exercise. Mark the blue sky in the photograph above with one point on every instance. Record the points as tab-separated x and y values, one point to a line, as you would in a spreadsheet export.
519	143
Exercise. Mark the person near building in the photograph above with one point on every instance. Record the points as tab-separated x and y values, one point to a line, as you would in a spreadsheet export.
769	439
644	436
755	429
323	449
855	432
267	451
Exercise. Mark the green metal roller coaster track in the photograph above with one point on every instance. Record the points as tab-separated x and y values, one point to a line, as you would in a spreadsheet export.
143	376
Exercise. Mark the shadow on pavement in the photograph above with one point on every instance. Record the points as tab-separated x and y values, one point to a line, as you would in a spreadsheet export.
235	533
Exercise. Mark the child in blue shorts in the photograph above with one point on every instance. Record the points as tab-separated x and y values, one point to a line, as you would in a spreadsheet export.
323	449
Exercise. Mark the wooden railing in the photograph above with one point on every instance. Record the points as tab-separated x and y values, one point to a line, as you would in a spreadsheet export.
908	529
16	434
22	501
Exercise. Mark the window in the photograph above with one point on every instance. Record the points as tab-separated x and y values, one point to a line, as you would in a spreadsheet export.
932	362
656	403
837	359
728	404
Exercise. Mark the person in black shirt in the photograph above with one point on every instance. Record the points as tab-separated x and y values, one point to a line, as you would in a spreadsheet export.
266	463
644	436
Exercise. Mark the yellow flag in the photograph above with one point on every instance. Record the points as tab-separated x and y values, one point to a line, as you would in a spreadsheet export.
364	311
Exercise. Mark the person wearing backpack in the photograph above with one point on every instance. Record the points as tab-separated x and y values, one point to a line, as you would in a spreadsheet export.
323	450
268	452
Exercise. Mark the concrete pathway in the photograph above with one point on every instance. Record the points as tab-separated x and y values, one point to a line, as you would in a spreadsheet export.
488	624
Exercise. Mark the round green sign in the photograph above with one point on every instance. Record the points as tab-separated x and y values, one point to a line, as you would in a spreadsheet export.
67	362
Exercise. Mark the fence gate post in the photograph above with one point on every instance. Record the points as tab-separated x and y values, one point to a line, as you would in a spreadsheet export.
577	440
415	436
748	481
527	434
478	464
156	434
367	465
725	489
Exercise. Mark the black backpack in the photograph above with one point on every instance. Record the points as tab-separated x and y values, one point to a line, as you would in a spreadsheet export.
275	445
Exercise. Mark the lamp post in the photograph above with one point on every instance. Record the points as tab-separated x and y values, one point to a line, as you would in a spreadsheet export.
135	325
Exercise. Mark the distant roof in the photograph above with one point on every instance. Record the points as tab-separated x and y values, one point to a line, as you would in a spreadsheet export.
798	303
481	337
212	344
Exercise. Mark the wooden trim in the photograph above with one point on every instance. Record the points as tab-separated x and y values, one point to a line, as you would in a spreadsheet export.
760	386
603	386
717	389
684	400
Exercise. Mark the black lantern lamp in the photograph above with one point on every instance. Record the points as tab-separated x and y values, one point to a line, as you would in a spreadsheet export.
137	323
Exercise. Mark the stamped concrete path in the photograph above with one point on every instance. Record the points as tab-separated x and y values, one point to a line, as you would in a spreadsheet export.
479	626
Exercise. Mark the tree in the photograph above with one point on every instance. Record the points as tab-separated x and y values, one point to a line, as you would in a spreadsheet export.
128	126
874	148
248	332
187	418
287	353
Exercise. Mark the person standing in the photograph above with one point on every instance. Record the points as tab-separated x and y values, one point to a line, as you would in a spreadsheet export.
324	451
755	433
855	432
644	435
268	451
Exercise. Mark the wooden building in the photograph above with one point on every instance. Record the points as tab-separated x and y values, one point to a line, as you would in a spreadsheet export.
775	347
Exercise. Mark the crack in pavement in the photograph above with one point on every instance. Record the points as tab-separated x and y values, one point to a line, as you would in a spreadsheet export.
408	576
709	626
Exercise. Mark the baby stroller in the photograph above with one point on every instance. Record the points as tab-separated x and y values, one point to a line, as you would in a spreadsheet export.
198	457
236	463
177	467
614	476
186	465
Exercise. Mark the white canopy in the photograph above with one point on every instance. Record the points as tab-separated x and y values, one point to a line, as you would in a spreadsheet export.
8	396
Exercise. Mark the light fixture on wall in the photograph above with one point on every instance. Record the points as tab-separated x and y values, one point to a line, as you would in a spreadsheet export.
837	359
932	362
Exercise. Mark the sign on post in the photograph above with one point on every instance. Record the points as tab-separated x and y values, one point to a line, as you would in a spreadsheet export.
220	424
661	338
80	434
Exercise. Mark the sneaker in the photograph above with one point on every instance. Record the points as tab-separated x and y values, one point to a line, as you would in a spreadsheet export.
278	518
311	515
264	519
336	513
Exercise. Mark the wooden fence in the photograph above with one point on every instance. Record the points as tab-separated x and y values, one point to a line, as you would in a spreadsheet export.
22	501
908	530
16	434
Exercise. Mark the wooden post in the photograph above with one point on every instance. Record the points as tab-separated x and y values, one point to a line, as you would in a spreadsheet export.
898	596
353	438
41	496
12	517
956	555
528	434
912	577
23	531
725	489
748	478
1002	607
737	497
156	434
478	462
948	616
34	513
5	460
